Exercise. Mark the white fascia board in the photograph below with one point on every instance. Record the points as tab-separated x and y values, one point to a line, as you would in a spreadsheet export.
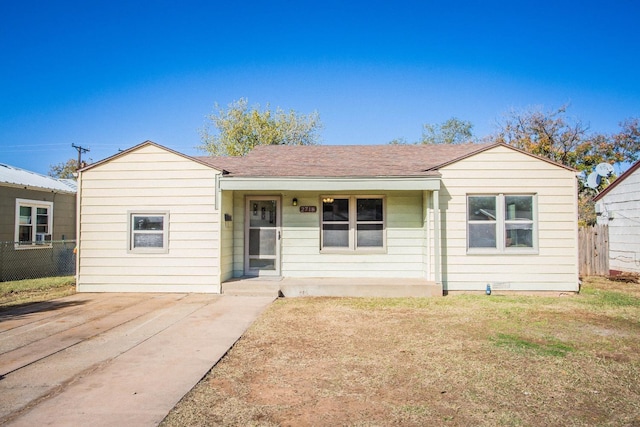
41	189
329	184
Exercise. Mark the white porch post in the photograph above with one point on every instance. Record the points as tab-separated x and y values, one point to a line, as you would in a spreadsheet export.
436	236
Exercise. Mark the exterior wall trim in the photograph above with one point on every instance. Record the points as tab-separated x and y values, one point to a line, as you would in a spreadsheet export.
328	184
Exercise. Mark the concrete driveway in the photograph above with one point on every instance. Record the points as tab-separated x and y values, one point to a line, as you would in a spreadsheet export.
113	359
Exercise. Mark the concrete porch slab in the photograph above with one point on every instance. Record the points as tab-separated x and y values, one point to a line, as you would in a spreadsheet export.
333	286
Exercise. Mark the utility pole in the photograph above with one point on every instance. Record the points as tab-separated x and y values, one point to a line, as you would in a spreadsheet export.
80	151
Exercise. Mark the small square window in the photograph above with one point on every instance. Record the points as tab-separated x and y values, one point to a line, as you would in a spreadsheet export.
148	232
33	223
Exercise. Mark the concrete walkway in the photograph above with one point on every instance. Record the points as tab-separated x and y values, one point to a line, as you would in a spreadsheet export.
113	359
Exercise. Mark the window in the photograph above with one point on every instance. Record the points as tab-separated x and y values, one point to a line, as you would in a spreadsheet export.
503	223
352	223
34	223
148	232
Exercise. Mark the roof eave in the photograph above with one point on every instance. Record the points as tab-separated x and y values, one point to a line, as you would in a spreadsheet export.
35	188
492	146
143	144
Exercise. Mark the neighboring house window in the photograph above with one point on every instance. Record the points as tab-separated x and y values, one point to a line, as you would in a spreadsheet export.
149	232
353	223
502	223
34	223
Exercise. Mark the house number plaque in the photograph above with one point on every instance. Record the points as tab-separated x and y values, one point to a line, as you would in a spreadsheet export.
308	209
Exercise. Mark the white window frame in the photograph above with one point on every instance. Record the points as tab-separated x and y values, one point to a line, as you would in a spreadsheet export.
353	225
46	237
131	232
501	224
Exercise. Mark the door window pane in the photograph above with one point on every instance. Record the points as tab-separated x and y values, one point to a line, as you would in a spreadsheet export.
262	264
262	241
262	213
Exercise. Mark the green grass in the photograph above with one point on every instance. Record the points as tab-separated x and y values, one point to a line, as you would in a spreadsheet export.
35	290
610	298
520	344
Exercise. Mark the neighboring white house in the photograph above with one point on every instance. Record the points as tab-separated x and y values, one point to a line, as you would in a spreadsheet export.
618	206
459	217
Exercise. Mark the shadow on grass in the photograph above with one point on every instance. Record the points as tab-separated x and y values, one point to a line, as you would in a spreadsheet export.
21	310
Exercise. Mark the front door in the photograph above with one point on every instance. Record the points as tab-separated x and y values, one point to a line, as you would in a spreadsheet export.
262	231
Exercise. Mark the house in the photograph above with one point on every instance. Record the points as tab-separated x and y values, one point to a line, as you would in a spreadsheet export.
618	207
37	225
441	218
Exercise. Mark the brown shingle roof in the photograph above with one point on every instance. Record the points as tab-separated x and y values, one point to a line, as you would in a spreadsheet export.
342	160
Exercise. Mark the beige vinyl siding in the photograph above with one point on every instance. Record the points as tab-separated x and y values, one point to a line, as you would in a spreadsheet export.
427	244
404	240
504	171
226	253
300	244
622	214
149	179
238	233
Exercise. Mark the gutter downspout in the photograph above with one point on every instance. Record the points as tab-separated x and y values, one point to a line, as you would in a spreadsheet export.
436	237
78	210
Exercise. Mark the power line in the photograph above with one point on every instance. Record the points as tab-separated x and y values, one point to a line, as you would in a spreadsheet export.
21	146
33	145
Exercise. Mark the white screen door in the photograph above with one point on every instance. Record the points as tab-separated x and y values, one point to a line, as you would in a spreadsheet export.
262	236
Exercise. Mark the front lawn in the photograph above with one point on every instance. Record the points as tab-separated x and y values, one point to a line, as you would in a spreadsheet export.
458	360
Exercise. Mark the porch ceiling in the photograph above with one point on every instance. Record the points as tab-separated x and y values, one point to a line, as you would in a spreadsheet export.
329	184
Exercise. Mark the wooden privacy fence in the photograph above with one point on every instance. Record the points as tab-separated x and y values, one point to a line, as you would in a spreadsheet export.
594	250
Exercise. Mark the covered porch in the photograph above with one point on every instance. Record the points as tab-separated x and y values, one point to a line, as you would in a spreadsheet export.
279	231
332	286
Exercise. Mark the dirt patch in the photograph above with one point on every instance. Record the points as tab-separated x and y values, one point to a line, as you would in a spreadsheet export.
459	360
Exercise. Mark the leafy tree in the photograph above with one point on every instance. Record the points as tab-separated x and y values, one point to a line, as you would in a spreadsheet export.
240	128
398	141
564	140
64	170
451	131
567	141
627	142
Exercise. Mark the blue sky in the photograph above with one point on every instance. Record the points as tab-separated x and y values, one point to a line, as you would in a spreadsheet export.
108	75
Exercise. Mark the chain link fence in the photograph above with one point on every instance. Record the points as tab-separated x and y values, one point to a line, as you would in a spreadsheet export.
21	261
